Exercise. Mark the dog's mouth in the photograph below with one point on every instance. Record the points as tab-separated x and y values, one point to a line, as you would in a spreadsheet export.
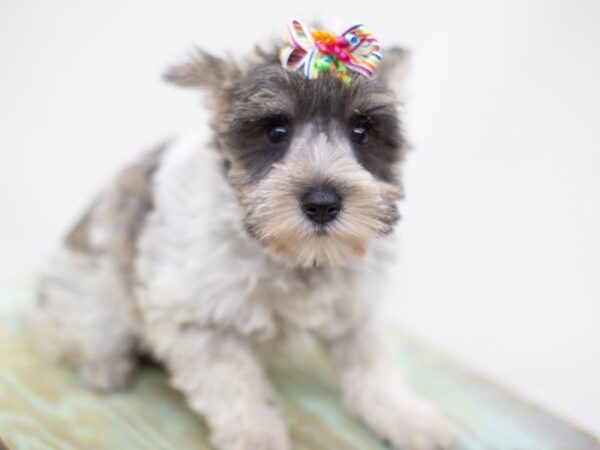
322	231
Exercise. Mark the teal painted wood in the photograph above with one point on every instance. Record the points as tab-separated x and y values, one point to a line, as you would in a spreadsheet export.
43	405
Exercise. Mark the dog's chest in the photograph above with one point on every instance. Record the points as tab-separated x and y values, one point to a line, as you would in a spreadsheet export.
324	301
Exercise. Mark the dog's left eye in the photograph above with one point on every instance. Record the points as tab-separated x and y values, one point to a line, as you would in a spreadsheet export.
277	131
360	131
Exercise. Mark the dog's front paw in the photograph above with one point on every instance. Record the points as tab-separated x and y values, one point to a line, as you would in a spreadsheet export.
253	434
407	424
424	429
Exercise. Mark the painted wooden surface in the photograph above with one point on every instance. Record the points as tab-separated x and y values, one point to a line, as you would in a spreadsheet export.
43	405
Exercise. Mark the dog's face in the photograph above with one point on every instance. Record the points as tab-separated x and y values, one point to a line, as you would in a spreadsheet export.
315	163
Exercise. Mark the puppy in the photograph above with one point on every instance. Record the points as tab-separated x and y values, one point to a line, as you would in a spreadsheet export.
209	249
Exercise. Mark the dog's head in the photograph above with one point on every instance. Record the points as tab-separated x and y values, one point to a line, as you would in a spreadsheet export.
315	163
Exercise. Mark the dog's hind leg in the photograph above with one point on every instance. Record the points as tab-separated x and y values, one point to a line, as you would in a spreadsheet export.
87	313
82	317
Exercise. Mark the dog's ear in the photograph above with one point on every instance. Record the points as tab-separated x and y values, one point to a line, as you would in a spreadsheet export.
394	70
201	70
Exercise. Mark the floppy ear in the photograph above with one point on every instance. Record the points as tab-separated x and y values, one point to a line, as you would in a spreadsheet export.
394	70
202	70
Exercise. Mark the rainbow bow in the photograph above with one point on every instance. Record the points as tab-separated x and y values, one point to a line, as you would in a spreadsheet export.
316	52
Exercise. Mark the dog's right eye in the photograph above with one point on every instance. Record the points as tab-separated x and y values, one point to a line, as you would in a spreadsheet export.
277	131
360	130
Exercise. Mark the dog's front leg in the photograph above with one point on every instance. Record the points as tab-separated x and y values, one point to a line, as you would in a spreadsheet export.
224	381
373	387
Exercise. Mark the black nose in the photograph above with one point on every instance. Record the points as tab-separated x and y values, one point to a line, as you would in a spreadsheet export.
321	204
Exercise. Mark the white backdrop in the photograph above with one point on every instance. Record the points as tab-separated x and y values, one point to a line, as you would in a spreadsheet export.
501	233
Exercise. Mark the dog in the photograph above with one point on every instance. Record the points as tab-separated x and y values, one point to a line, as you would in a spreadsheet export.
277	224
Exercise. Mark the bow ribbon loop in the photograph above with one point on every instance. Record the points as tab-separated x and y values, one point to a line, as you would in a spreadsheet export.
316	51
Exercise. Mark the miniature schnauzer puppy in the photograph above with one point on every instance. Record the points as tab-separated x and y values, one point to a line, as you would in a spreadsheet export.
210	248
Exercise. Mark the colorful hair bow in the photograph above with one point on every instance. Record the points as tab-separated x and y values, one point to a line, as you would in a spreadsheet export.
316	52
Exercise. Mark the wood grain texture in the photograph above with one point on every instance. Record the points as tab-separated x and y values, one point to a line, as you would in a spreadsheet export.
43	405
